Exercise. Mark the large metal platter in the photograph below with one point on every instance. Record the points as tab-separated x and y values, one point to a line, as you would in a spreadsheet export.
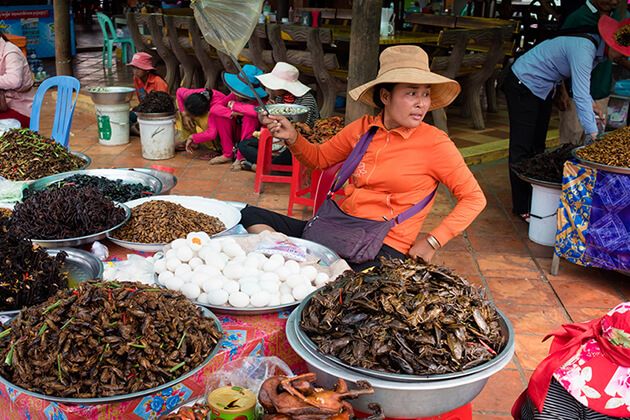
169	181
83	240
86	159
230	216
118	398
127	177
80	266
325	255
600	166
312	348
540	183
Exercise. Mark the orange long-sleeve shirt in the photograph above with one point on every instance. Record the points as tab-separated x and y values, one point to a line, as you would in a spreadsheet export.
400	168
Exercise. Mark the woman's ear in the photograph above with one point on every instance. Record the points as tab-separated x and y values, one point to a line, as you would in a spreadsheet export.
385	96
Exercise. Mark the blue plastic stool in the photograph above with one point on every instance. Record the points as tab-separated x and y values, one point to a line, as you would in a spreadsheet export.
110	38
67	95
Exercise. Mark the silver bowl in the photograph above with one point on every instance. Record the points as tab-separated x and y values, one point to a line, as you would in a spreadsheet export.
80	266
600	166
83	240
169	181
128	177
404	399
293	112
155	115
111	95
118	398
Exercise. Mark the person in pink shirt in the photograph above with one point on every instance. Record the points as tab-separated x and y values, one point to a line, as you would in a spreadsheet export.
16	83
198	125
236	112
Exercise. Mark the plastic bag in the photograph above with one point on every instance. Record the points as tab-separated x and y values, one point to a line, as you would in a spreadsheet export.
134	268
11	191
249	372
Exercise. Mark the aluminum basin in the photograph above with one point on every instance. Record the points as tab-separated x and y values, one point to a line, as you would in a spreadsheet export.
403	399
111	95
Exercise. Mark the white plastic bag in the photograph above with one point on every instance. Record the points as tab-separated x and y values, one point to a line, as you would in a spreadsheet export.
134	268
249	372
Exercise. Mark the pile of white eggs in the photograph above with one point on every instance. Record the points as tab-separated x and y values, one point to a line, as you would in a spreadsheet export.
219	272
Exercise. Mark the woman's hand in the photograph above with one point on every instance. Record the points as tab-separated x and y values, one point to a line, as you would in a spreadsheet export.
189	145
422	249
280	128
188	123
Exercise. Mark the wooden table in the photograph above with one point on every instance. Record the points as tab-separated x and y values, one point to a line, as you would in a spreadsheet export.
400	37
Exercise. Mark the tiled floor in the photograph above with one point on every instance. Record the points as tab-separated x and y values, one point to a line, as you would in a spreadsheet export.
494	252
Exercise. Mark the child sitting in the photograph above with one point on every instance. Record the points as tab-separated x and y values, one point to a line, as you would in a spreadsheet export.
197	124
145	81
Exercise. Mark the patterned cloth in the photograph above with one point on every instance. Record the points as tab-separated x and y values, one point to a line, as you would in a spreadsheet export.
594	218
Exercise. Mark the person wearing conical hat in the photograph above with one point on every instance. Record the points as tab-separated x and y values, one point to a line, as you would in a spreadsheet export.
403	164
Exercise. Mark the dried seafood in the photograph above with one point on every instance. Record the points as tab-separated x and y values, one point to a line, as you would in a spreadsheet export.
322	130
613	149
105	339
406	318
198	411
546	166
156	102
5	213
298	398
157	222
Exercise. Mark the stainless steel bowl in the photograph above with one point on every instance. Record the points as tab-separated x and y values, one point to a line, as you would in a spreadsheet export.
111	95
83	240
127	177
293	112
80	266
403	399
118	398
169	181
600	166
85	158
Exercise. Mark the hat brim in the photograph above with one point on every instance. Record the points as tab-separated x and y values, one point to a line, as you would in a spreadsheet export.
273	82
241	88
140	66
607	27
443	90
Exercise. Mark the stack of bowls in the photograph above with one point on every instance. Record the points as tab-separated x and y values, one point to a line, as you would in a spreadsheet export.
401	396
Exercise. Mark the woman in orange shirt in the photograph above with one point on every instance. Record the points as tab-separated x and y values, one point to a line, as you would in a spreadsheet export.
404	163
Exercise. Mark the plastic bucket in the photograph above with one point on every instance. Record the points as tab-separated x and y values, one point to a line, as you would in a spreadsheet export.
113	124
157	136
542	221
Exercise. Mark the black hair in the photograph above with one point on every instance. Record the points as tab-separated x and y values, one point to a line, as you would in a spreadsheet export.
376	93
198	104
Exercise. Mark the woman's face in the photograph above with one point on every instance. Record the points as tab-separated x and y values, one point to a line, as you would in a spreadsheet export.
406	105
139	73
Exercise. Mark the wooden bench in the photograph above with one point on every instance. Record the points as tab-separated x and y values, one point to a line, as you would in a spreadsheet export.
306	52
135	21
256	51
156	28
180	42
206	55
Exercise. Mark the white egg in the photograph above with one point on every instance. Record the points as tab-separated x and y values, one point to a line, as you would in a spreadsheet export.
196	240
211	284
205	251
184	254
250	279
159	266
178	243
226	240
285	289
321	279
272	264
202	298
277	257
270	276
203	235
250	288
233	271
269	285
208	270
292	266
284	299
218	297
214	245
233	250
164	276
250	272
174	283
274	299
295	280
309	272
260	299
171	253
191	291
238	299
283	273
172	264
302	290
182	270
195	262
230	286
216	260
252	262
198	278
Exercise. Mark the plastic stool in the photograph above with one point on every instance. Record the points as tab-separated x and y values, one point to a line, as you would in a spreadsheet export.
299	195
462	413
264	167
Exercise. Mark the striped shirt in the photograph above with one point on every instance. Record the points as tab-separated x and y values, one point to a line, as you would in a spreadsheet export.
307	100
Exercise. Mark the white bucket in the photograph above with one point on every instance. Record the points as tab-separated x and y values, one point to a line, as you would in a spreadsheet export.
543	221
113	124
157	136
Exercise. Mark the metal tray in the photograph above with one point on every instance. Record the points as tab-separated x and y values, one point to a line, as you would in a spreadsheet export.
86	159
127	177
312	348
169	181
325	255
117	398
540	183
600	166
80	266
230	216
82	240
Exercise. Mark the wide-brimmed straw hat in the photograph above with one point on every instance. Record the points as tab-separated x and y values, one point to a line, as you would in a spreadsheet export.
143	61
408	64
284	76
615	34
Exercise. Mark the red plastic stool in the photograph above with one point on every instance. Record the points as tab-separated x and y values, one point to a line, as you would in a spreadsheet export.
462	413
264	167
300	194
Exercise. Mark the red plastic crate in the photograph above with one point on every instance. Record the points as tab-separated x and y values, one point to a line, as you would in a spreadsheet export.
462	413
